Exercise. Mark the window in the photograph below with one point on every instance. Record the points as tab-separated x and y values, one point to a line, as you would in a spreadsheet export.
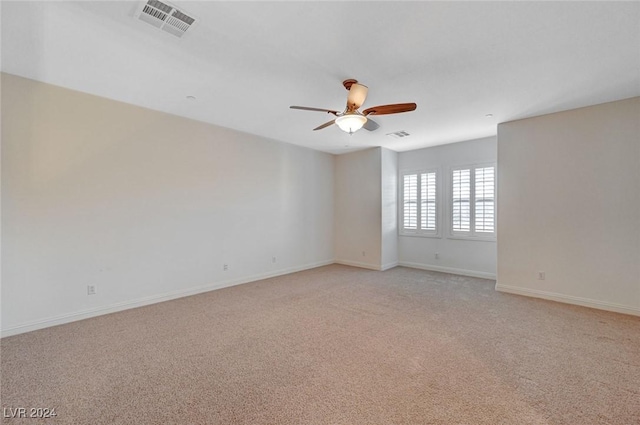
419	204
473	201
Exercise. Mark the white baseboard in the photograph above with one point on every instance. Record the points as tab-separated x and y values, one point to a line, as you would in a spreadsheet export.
389	266
569	299
369	266
99	311
358	264
452	270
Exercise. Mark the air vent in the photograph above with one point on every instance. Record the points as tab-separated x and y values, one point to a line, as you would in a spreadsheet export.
398	134
166	17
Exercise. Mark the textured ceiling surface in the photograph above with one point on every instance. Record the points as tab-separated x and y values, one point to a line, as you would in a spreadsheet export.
247	62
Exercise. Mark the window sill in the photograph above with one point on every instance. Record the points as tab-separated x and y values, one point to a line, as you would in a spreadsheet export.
421	235
473	238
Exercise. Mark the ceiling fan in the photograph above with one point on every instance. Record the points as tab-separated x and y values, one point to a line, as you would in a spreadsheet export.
351	119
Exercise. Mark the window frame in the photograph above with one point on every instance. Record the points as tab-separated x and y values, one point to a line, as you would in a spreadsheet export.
437	233
472	234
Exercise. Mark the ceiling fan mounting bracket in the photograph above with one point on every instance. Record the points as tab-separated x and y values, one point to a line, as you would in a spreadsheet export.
348	83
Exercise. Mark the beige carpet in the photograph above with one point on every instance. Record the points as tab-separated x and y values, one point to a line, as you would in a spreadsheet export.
334	345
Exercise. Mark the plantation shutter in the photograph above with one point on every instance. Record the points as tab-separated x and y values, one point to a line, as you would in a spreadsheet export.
428	201
410	202
484	200
461	214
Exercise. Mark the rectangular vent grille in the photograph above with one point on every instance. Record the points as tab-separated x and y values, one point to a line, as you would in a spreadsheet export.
398	134
166	17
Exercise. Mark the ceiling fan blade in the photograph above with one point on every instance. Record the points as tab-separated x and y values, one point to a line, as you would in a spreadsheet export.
306	108
327	124
357	95
390	109
371	125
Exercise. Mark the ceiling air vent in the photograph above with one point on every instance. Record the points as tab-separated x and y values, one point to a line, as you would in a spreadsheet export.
398	134
166	17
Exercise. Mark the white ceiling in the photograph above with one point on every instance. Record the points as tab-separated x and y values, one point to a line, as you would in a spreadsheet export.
247	62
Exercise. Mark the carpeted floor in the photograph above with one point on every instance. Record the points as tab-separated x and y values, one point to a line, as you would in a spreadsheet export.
334	345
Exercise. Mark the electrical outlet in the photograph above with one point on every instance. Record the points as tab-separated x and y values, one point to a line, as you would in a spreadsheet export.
541	276
273	259
364	253
92	289
437	256
225	267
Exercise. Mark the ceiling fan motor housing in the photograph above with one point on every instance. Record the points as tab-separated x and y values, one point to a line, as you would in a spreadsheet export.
348	83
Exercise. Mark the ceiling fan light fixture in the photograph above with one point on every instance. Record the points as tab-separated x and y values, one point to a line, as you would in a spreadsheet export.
351	122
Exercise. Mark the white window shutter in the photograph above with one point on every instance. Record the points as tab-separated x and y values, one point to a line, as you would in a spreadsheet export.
461	193
428	201
485	200
410	202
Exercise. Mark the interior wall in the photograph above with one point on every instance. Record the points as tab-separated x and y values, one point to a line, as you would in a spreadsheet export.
389	208
460	256
569	206
358	209
146	206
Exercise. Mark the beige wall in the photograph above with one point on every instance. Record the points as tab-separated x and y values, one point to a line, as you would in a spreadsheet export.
366	220
145	205
358	209
389	212
569	205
